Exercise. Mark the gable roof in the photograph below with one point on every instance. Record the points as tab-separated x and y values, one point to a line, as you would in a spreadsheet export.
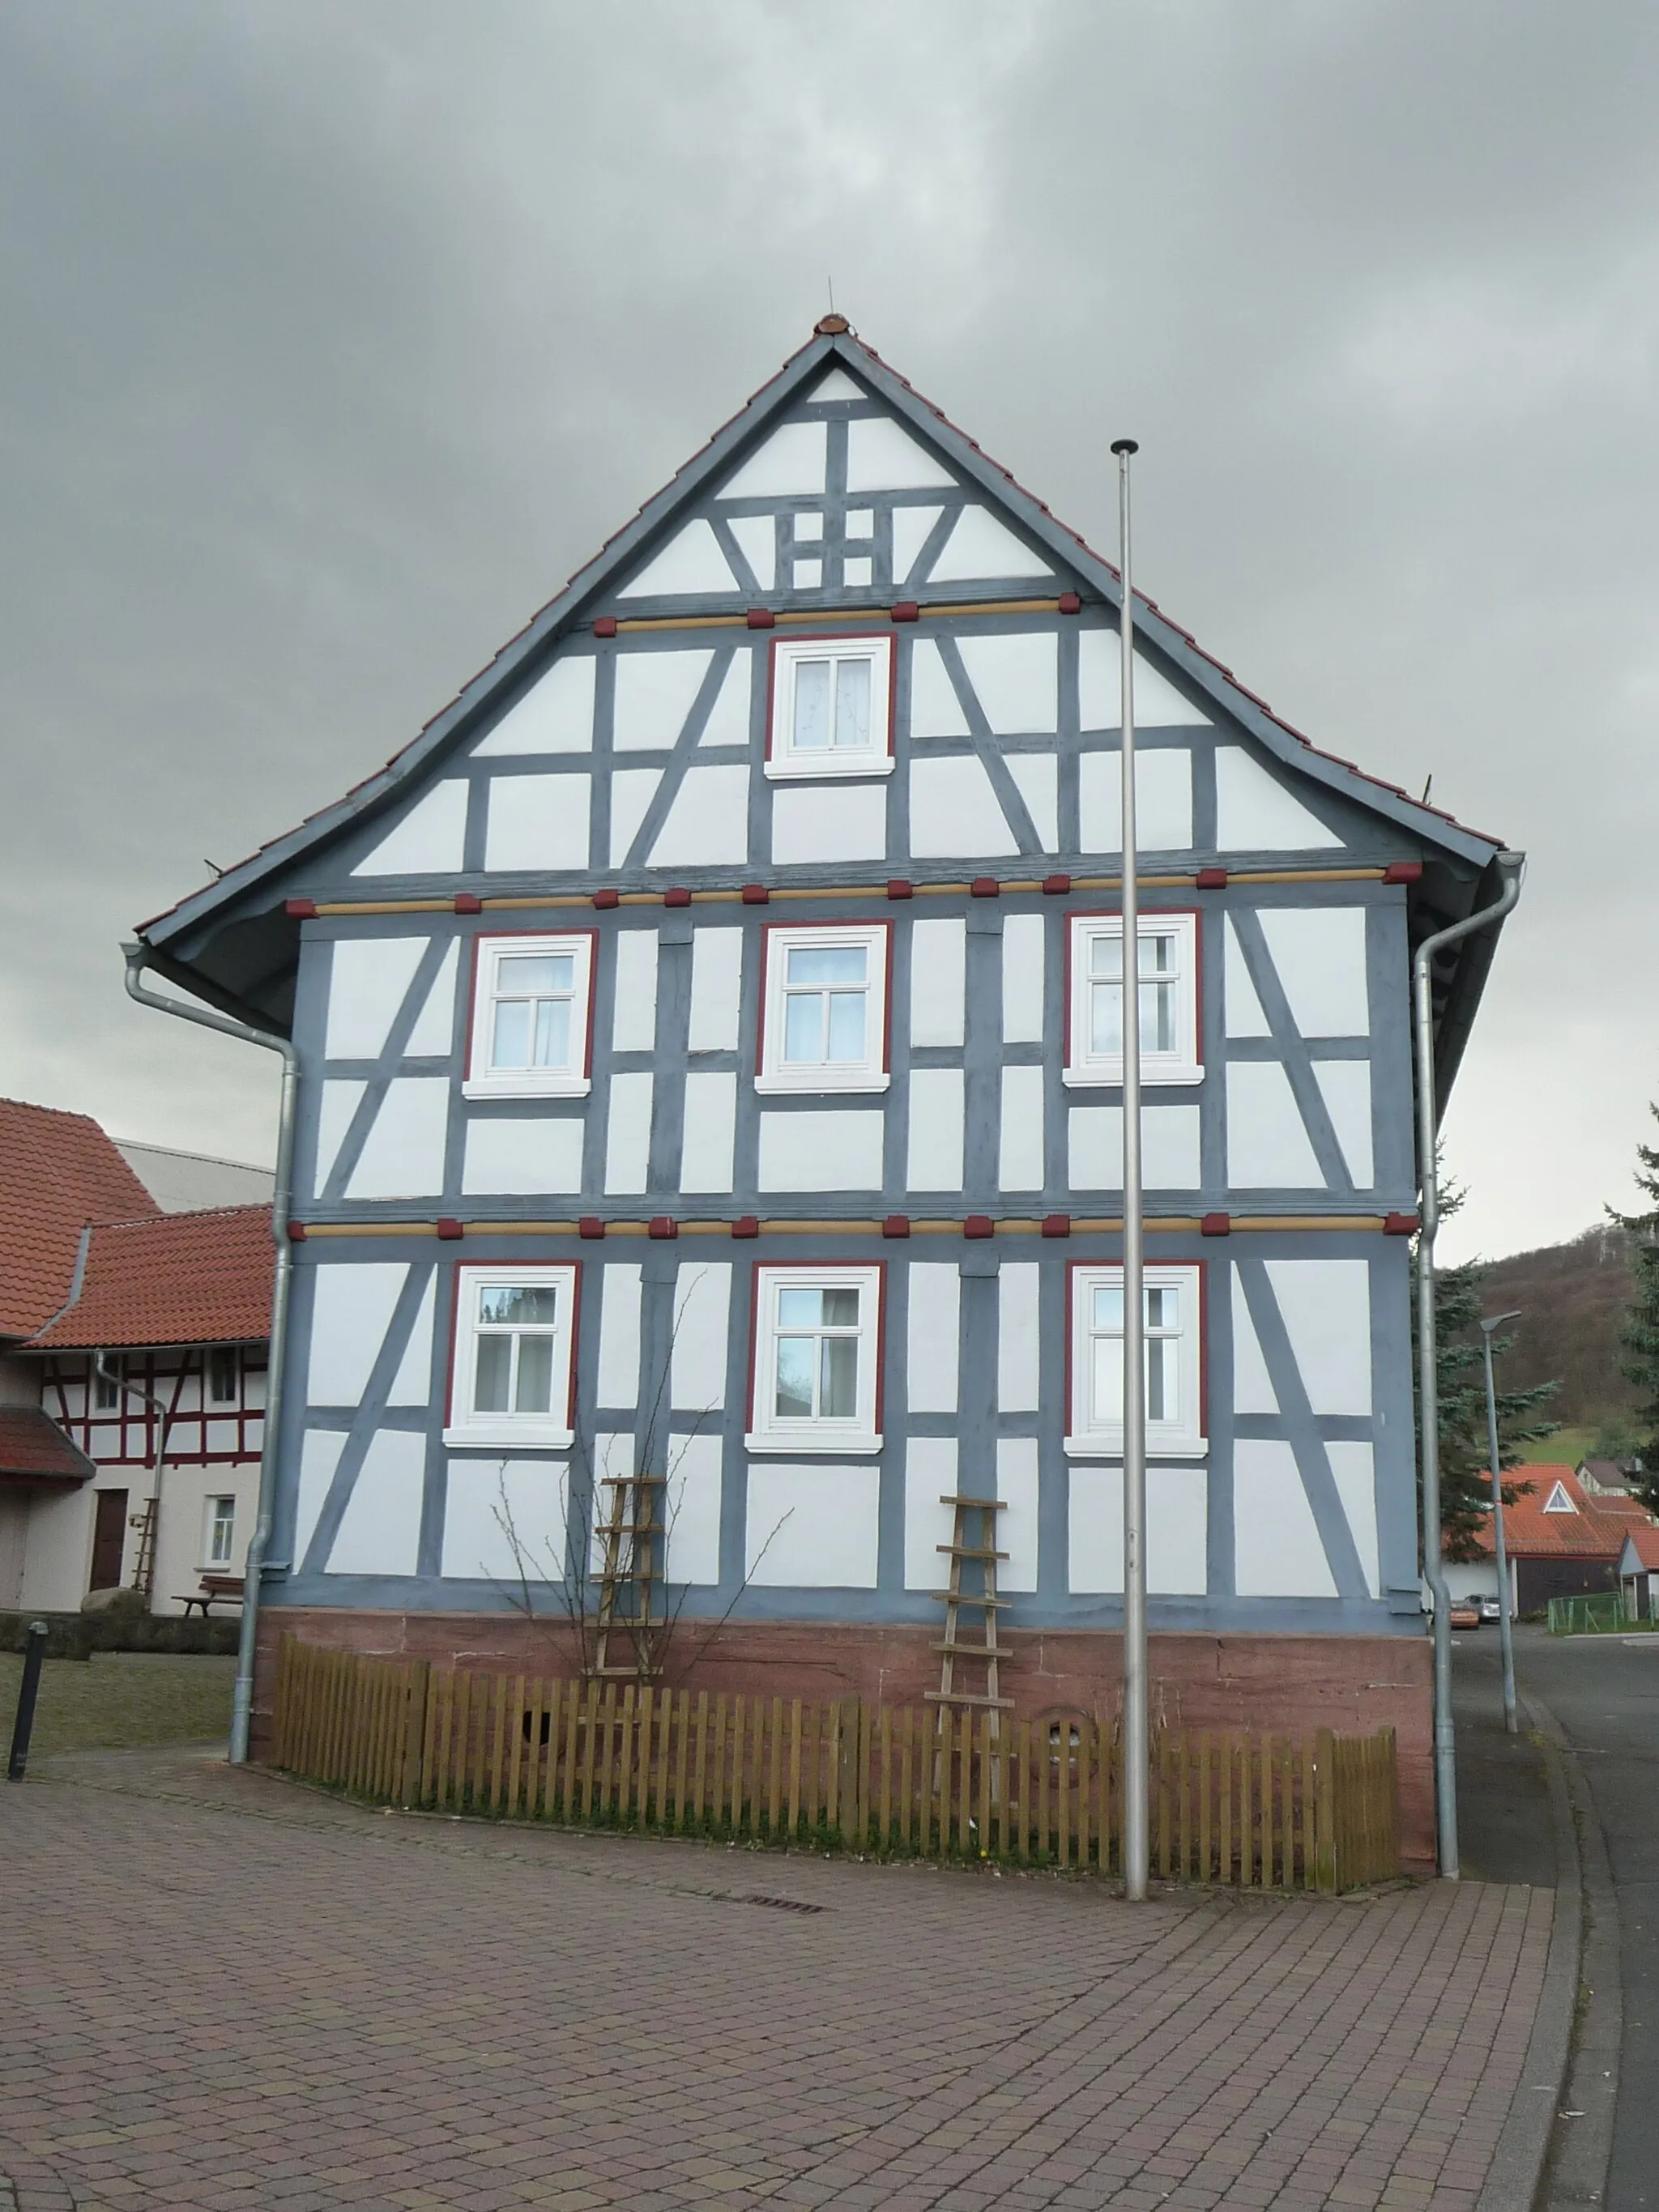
174	1279
33	1449
1591	1528
221	944
58	1172
1641	1550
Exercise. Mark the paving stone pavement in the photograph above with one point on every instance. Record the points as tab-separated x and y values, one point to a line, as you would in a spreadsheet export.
223	1990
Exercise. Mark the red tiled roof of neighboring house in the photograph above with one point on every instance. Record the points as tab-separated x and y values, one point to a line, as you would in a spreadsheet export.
177	1279
1646	1540
35	1449
58	1172
1596	1528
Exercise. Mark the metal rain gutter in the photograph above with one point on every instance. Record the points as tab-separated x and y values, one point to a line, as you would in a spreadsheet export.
138	958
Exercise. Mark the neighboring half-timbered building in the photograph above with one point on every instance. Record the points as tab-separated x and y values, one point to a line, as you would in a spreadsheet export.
709	1032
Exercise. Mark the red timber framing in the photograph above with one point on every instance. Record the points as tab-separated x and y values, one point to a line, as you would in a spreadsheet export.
124	1435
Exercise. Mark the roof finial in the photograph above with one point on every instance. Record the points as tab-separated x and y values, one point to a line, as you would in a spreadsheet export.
832	325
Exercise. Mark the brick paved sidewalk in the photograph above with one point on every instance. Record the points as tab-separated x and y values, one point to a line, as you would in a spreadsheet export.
223	1991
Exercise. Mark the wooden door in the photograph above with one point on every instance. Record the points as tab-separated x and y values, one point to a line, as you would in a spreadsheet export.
109	1537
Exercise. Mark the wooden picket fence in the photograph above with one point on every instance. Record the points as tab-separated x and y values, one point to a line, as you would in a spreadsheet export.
1256	1811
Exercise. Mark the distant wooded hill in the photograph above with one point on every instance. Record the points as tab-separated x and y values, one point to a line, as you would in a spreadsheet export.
1572	1298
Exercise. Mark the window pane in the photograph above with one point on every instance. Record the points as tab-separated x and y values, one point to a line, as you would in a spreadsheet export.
553	1033
535	972
221	1376
828	963
840	1401
812	729
803	1028
800	1308
1158	1003
1157	956
1109	1310
846	1010
841	1307
1163	1401
1106	956
1105	1018
852	702
1108	1404
509	1043
1163	1310
495	1367
535	1391
794	1391
501	1302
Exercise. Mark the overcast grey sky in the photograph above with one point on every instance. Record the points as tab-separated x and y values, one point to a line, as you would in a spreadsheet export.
338	335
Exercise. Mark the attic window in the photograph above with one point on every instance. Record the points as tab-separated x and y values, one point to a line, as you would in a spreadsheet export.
1559	1501
830	707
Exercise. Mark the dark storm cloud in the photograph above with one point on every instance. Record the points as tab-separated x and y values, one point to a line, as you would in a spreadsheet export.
337	337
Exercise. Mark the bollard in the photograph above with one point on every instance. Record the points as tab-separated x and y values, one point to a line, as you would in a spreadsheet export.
28	1691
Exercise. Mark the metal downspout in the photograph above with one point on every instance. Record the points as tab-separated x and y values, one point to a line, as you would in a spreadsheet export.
136	957
1428	1395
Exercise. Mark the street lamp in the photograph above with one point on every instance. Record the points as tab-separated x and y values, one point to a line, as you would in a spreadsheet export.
1506	1637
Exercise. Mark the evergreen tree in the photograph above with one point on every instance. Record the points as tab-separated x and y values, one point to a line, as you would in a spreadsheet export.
1640	1337
1460	1379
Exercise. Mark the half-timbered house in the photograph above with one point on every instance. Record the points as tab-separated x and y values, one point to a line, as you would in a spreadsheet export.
709	1035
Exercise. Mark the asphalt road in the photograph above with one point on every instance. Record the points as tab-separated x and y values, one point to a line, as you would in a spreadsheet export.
1604	1691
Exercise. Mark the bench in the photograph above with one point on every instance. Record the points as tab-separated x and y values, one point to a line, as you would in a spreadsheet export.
216	1589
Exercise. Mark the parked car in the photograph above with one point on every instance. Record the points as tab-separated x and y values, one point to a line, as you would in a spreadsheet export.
1465	1613
1489	1609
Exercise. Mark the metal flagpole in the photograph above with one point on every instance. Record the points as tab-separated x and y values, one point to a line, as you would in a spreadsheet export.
1137	1824
1506	1634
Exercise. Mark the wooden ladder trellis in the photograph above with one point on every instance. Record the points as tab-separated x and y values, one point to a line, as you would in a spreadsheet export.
989	1652
143	1571
632	1533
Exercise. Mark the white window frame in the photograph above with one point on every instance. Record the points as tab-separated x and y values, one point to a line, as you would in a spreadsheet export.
1181	1437
772	1072
484	1081
551	1432
1085	1068
783	762
98	1382
210	1559
234	1353
859	1437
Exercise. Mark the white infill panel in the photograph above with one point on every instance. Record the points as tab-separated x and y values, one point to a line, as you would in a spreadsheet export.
935	709
654	694
1253	1388
635	1026
1245	1017
628	1135
429	841
933	1336
632	790
980	547
728	718
433	1033
707	821
1014	678
930	1473
1356	1485
1267	1146
938	968
692	1505
812	1527
1024	938
1277	1547
1178	1515
757	542
820	822
934	1161
368	979
1016	1527
1163	800
504	1522
880	456
403	1156
1254	813
1318	953
1017	1370
619	1382
351	1309
912	527
555	715
523	1155
537	822
412	1383
1169	1147
716	989
1099	685
1345	1087
710	1133
1037	779
1326	1305
319	1454
690	563
837	386
379	1532
1020	1162
703	1307
789	464
829	1150
954	812
335	1112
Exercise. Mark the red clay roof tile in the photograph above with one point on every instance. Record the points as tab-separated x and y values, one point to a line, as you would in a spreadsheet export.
58	1172
33	1449
1595	1529
176	1278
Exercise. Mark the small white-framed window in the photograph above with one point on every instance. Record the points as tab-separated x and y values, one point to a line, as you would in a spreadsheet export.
824	1008
1168	993
531	1028
831	706
223	1374
511	1379
816	1360
106	1382
219	1532
1174	1363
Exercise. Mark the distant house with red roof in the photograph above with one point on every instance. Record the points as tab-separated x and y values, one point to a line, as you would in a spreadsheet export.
1562	1539
133	1323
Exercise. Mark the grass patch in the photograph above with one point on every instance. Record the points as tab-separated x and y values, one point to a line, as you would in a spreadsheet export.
1565	1448
117	1699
